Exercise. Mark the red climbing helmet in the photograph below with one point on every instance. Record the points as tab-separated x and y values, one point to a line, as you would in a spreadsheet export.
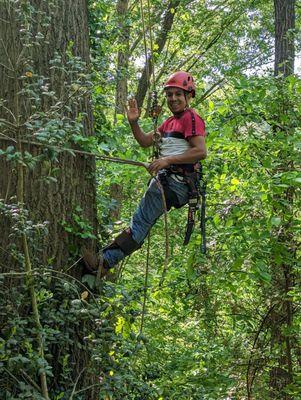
182	80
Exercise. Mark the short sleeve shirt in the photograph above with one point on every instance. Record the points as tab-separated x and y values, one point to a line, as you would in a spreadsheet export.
176	130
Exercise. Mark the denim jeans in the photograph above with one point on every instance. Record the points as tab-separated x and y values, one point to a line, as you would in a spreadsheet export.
149	210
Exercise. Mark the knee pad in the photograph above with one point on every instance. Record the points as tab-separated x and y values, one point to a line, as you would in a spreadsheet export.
125	242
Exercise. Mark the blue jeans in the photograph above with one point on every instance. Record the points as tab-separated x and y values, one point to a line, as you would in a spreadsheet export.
149	210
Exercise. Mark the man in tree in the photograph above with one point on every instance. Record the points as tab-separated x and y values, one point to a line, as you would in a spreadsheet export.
182	146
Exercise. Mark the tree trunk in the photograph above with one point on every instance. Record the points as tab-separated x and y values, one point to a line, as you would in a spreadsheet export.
44	90
281	374
74	190
122	57
284	37
160	43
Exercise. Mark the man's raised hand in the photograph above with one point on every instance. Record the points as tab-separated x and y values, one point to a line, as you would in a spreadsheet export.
132	111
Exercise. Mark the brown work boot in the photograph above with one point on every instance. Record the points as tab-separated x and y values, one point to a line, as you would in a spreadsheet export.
94	263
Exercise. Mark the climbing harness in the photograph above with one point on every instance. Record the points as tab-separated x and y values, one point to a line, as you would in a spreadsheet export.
196	202
192	175
193	205
197	191
196	196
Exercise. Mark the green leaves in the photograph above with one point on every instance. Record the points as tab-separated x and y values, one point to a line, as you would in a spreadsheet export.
78	225
260	272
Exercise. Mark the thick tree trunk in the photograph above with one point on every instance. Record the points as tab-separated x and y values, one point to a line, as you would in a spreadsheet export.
122	57
75	186
68	202
160	43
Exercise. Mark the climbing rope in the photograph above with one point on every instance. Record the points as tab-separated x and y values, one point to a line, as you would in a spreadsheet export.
148	257
145	286
149	62
155	110
166	233
81	152
151	58
151	44
144	42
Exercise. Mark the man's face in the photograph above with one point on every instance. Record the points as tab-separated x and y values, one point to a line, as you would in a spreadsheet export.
176	99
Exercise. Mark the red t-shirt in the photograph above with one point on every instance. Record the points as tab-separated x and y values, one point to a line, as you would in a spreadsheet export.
185	125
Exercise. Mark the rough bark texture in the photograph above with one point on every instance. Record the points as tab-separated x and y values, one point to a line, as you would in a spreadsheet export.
160	43
122	57
75	186
284	36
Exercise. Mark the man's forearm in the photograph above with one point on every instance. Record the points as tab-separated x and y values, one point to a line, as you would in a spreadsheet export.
145	140
189	156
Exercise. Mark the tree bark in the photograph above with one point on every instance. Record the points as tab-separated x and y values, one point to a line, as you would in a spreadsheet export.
160	43
75	186
22	61
284	37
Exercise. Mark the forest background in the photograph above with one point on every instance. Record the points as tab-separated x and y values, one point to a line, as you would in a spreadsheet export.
220	326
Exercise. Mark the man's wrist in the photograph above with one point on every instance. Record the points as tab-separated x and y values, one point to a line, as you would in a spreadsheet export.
168	159
134	122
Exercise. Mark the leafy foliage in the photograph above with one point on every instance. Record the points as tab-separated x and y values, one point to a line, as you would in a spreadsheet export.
207	331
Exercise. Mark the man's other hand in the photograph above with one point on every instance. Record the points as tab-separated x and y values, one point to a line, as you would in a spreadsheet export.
158	164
